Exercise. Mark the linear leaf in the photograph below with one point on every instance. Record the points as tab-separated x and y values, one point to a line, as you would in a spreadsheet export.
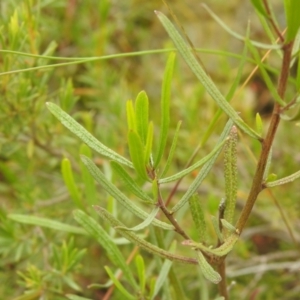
283	180
144	224
203	172
89	182
130	183
68	177
141	271
131	120
292	12
47	223
118	195
172	150
118	284
198	216
102	237
75	297
85	136
148	146
194	166
134	238
137	154
208	272
165	108
197	69
142	115
259	7
164	271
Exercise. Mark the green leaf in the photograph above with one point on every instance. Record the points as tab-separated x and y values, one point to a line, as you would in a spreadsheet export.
208	272
164	271
137	154
203	172
134	238
197	69
89	182
118	195
259	7
172	150
75	297
144	224
259	125
142	115
47	223
130	183
102	237
131	120
85	136
194	166
165	108
230	174
198	216
264	73
118	284
67	173
141	271
283	180
148	147
292	13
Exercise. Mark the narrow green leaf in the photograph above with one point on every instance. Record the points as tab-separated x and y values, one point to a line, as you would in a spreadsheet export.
75	297
85	136
137	154
208	272
148	147
142	115
194	166
216	226
165	108
89	182
130	183
144	224
164	271
236	35
203	172
102	237
259	125
264	73
141	271
197	69
292	13
67	173
47	223
230	174
118	284
172	150
134	238
284	180
131	120
198	216
259	7
268	165
118	195
228	226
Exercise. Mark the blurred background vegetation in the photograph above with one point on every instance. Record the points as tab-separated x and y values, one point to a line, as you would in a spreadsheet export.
33	143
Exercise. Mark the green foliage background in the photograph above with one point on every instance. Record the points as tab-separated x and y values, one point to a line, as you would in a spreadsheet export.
33	142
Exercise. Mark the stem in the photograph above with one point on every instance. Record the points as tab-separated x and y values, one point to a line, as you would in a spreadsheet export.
222	284
257	184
